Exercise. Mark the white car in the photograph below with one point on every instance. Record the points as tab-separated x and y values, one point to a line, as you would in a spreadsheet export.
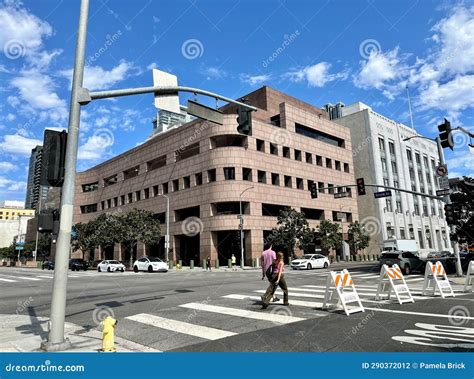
110	266
150	264
310	261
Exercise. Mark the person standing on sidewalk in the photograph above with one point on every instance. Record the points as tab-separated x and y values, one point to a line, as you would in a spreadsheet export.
278	280
208	263
268	257
233	260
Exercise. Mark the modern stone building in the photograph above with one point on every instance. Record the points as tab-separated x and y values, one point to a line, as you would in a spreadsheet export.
382	157
204	168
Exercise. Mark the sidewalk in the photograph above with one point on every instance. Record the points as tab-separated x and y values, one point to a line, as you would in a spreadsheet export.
21	333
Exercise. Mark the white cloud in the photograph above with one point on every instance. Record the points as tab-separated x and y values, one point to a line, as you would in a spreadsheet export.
96	147
463	162
214	73
151	66
10	185
95	77
253	80
7	166
18	145
316	75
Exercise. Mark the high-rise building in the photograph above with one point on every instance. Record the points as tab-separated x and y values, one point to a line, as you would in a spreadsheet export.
382	157
166	120
334	111
35	193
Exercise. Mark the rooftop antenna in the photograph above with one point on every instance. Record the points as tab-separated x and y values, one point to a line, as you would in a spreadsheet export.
409	109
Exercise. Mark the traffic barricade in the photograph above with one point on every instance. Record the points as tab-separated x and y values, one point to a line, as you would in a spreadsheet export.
469	275
436	279
392	279
342	285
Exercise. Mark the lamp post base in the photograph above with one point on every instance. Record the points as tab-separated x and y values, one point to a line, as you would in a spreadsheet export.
61	346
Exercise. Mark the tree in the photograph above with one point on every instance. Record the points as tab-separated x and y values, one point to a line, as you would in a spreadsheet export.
84	237
358	237
463	204
8	252
292	231
136	226
329	236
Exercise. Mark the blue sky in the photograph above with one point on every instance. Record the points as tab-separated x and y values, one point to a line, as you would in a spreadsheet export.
321	51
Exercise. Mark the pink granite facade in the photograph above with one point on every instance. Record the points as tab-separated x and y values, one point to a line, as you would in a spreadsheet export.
214	165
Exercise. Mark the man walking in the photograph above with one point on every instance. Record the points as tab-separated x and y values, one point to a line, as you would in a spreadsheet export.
268	257
233	261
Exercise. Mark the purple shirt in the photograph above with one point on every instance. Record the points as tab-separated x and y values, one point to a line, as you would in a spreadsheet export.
268	256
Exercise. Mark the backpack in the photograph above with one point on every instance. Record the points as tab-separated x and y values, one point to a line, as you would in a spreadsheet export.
269	272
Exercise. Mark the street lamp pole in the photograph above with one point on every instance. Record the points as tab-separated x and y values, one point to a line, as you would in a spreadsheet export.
241	216
167	236
37	219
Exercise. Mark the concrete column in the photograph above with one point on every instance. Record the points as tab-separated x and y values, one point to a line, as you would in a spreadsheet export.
118	251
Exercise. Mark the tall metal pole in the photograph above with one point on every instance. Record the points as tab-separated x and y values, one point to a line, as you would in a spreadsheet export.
56	340
37	233
241	225
167	237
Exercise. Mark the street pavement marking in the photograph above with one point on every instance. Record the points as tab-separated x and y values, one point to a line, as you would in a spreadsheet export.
300	303
7	280
23	277
419	313
319	296
181	327
45	276
281	319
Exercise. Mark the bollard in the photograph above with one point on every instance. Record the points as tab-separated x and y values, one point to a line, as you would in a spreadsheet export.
229	263
191	264
338	259
180	263
108	330
346	258
254	263
170	265
289	260
204	264
217	263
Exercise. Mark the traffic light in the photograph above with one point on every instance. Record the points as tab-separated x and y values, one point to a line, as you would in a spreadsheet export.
449	213
45	222
360	186
244	119
314	191
53	158
445	134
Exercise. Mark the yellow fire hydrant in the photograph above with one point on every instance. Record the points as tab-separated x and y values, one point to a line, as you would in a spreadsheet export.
108	341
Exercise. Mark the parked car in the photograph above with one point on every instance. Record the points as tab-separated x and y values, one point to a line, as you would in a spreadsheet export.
440	254
47	265
406	260
150	264
310	261
110	266
78	264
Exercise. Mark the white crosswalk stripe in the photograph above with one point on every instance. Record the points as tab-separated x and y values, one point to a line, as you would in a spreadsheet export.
7	280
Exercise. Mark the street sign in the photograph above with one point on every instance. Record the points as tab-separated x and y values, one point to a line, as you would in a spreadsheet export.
441	170
443	182
443	192
204	112
170	102
340	195
387	193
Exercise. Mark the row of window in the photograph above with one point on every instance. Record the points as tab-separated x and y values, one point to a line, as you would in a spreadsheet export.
229	173
441	236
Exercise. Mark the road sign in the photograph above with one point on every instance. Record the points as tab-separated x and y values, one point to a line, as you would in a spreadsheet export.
441	170
443	192
340	195
170	102
443	182
204	112
387	193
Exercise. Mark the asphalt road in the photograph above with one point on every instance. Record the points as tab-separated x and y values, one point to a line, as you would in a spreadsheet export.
221	311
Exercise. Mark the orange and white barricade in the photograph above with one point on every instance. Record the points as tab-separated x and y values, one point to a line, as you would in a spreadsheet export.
436	279
469	275
341	284
391	279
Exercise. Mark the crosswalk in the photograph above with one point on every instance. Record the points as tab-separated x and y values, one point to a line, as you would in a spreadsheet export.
38	276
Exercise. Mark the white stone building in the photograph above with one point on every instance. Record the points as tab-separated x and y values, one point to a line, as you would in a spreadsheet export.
382	157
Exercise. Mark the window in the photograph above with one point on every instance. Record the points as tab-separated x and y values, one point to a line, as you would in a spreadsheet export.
122	199
229	173
299	183
262	176
211	175
228	141
320	187
272	210
275	120
273	149
164	186
90	187
384	164
346	167
146	193
247	174
286	152
331	189
138	195
319	135
417	158
328	163
229	208
381	145
102	205
130	198
89	208
319	160
388	204
399	206
385	182
313	214
109	203
309	158
156	163
391	148
110	180
175	184
394	168
155	190
288	181
338	165
198	178
420	239
310	183
402	233
186	182
409	156
396	184
187	152
261	145
131	172
275	179
184	213
417	209
298	155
